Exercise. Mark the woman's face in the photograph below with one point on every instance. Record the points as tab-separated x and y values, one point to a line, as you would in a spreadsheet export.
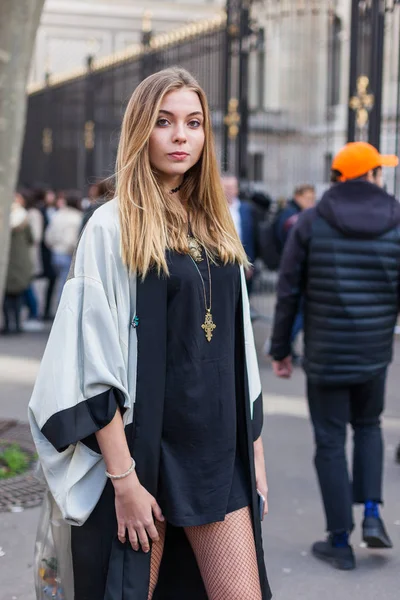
177	140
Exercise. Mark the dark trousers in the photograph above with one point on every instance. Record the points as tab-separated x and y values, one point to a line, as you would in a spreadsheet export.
331	409
12	311
30	301
51	282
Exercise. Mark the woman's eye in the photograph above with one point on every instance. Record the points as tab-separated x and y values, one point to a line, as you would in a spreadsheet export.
196	124
162	122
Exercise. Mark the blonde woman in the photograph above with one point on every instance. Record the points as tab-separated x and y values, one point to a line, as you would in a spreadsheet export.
147	412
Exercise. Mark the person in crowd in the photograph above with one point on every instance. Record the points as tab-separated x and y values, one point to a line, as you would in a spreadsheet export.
62	235
243	219
304	198
343	258
262	204
46	200
61	200
157	389
98	194
19	270
35	218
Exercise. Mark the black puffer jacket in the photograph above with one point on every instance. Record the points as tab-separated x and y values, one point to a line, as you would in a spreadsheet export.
343	257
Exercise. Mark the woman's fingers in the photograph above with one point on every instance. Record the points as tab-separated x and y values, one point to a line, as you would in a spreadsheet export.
143	539
152	532
157	511
133	538
266	507
122	532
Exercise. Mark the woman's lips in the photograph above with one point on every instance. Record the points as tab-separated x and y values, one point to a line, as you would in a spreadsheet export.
178	155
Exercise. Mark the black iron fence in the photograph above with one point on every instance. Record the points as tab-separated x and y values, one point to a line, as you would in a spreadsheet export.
276	75
73	123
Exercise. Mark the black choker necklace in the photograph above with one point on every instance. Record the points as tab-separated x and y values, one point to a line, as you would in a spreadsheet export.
176	189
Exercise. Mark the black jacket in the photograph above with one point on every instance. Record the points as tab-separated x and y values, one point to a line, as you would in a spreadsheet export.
286	220
343	257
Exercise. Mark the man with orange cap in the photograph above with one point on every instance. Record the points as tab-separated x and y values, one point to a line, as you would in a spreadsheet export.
343	259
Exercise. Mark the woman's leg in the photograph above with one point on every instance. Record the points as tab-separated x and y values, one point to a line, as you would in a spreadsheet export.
226	555
157	550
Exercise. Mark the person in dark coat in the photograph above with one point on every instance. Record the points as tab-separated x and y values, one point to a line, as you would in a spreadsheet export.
343	258
98	194
48	209
20	267
303	198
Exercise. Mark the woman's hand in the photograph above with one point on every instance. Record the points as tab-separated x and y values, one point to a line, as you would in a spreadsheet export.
261	476
135	508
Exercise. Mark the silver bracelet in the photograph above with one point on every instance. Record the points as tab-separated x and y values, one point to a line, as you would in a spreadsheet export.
123	475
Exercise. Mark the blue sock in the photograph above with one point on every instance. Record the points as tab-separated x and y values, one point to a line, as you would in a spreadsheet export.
371	509
340	539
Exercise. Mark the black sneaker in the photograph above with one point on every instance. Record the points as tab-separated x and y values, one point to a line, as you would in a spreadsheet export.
375	534
340	558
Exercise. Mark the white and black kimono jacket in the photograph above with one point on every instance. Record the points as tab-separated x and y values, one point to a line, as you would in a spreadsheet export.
107	349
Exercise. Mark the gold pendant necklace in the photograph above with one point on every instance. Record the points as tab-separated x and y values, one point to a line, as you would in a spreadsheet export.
208	325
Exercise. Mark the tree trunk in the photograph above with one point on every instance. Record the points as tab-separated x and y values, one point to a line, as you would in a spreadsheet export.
19	20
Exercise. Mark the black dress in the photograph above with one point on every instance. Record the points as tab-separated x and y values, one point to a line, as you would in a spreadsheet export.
202	477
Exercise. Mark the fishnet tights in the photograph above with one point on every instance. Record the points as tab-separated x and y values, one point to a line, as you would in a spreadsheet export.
226	556
157	550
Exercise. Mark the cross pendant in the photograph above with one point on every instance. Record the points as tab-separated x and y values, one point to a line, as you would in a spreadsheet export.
208	325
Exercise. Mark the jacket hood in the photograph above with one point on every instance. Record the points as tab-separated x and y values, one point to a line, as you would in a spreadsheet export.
359	209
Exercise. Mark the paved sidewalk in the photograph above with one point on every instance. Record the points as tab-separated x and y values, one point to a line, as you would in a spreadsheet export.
295	519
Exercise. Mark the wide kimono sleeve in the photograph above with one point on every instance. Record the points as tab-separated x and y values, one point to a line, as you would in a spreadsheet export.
83	375
253	373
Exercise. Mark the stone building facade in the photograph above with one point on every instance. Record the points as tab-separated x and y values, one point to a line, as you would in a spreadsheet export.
305	89
299	74
70	30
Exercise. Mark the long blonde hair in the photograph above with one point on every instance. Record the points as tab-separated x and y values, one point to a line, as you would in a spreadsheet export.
152	220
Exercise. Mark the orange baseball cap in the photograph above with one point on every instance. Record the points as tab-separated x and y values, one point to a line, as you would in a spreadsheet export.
357	158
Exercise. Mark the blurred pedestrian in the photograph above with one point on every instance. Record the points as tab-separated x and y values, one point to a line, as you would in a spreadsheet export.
343	257
243	218
19	269
98	194
262	204
304	198
151	373
61	200
272	240
47	202
62	235
35	218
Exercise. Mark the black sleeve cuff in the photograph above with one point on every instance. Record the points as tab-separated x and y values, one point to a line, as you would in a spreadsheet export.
280	354
81	421
258	417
